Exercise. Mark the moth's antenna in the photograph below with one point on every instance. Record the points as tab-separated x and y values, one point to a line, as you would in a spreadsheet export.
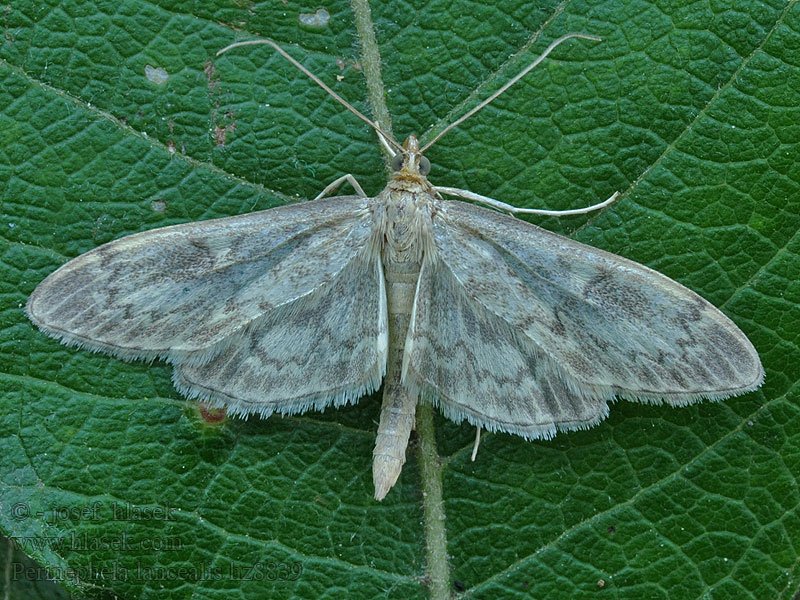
386	145
509	83
383	135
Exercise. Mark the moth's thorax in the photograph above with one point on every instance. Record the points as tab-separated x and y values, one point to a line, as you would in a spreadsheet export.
404	208
405	181
404	219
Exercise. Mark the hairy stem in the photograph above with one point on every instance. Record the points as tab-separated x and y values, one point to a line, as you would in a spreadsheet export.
371	63
433	505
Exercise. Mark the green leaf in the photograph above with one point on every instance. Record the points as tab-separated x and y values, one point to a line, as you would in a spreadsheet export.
118	485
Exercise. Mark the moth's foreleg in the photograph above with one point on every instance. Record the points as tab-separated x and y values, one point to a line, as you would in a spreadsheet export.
334	185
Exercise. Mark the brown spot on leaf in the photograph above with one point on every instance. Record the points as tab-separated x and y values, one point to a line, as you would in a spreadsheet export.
212	416
221	133
211	75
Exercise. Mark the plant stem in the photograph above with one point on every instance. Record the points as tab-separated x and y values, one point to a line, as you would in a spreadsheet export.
433	505
371	63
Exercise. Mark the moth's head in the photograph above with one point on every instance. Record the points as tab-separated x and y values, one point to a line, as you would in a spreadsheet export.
410	164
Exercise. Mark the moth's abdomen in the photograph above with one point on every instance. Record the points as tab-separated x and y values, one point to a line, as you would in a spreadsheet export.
397	421
399	404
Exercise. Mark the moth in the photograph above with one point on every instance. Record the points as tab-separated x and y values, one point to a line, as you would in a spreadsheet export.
494	320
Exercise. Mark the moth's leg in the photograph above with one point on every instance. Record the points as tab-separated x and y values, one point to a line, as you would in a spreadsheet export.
333	185
477	443
467	195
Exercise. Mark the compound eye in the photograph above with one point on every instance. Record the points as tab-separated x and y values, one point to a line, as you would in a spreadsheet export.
397	162
424	166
